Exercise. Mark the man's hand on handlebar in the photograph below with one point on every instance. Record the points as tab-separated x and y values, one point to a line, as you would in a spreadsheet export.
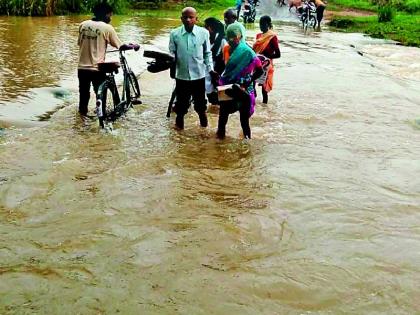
130	46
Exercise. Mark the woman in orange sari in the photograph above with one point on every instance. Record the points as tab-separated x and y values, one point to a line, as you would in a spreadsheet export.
267	45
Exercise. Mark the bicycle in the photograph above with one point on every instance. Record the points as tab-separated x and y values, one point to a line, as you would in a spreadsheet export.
108	109
308	16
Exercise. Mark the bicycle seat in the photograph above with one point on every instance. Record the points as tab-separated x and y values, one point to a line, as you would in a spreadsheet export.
108	67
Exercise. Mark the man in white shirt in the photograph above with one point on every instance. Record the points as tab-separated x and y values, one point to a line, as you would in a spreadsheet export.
190	45
94	36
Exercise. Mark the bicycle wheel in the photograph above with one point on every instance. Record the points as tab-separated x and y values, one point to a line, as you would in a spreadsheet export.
133	88
107	102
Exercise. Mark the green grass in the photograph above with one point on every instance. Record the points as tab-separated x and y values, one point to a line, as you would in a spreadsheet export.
404	28
409	6
337	5
173	9
394	19
168	8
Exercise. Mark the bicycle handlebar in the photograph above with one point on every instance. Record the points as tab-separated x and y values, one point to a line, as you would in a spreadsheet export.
125	47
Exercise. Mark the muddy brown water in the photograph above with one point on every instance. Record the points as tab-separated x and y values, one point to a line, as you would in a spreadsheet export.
317	214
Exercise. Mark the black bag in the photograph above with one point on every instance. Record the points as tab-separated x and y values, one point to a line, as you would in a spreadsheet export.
162	61
155	67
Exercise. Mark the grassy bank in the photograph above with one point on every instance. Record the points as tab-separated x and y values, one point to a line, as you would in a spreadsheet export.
404	27
172	9
338	5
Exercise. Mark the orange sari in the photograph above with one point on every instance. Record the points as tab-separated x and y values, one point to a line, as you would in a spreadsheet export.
259	46
226	53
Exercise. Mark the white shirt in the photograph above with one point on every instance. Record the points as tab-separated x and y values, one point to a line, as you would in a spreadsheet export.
192	51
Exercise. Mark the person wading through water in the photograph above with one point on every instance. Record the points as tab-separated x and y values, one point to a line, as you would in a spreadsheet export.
267	45
217	42
190	44
243	67
230	17
94	36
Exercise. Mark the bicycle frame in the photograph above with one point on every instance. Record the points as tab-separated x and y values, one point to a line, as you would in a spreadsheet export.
120	104
125	69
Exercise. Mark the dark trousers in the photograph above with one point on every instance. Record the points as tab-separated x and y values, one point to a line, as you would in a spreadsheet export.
320	14
86	78
184	91
238	11
241	103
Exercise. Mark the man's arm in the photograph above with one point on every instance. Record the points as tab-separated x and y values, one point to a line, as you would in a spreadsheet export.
113	39
172	45
79	39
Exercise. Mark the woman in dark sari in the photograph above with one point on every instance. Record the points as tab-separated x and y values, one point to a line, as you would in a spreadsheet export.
217	42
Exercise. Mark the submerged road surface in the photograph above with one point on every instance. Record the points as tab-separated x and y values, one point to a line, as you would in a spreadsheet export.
317	214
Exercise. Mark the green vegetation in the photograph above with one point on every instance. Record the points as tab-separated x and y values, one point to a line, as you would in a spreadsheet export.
205	8
404	28
409	6
52	7
395	19
385	13
338	5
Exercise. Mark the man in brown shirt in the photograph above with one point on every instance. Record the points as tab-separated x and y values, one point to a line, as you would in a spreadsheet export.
94	36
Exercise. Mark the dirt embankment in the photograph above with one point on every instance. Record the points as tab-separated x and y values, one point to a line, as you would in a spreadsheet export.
328	14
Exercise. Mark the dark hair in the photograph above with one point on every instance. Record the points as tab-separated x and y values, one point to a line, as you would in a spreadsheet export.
230	13
267	20
217	36
215	24
101	9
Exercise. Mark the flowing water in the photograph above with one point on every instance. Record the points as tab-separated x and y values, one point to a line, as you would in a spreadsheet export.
317	214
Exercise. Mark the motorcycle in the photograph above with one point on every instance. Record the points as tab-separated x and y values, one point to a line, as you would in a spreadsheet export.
250	11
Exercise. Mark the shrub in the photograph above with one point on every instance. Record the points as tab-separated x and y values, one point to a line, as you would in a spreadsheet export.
341	22
385	13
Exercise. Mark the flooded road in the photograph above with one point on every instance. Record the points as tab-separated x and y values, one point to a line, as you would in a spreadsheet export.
317	214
